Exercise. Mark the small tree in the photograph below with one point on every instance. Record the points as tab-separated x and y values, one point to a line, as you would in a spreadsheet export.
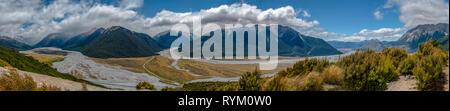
250	81
145	85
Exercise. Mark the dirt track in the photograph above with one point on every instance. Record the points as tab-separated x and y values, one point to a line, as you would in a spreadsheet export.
404	83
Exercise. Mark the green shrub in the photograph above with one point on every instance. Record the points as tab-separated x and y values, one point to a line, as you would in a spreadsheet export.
229	87
395	54
3	63
304	67
367	71
168	89
428	71
250	81
145	85
406	66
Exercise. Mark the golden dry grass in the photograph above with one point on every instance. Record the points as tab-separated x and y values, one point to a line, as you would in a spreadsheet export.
42	58
332	74
223	70
160	66
131	64
14	82
3	63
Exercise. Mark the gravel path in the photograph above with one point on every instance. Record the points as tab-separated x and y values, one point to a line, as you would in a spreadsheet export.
404	83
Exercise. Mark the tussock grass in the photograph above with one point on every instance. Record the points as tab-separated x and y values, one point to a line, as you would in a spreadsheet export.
15	82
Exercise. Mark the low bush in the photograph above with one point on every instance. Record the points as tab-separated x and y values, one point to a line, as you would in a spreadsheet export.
428	71
145	85
367	71
302	68
250	81
406	66
275	83
14	82
312	82
395	54
332	75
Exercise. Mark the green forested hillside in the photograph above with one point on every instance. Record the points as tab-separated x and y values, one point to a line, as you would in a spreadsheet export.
29	64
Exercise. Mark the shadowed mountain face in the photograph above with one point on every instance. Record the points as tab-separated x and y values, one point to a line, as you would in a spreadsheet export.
290	43
79	42
53	40
10	43
118	42
114	42
422	33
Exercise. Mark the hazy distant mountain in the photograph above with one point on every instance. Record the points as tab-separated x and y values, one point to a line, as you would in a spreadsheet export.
13	44
347	45
291	43
119	42
374	45
421	33
53	40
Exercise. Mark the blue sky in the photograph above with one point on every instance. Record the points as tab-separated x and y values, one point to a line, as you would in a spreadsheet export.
343	20
343	16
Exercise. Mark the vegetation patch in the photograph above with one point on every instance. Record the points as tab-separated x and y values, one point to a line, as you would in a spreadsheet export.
29	64
14	82
145	85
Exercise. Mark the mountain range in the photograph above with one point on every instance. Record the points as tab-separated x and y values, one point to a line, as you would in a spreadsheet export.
290	43
114	42
409	41
119	42
13	44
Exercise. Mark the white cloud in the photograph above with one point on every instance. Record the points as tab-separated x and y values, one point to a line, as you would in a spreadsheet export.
306	14
72	17
350	39
382	33
131	4
416	12
378	15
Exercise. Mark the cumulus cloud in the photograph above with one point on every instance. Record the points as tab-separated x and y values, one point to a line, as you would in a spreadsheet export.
382	33
34	19
350	39
131	4
416	12
378	15
306	14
